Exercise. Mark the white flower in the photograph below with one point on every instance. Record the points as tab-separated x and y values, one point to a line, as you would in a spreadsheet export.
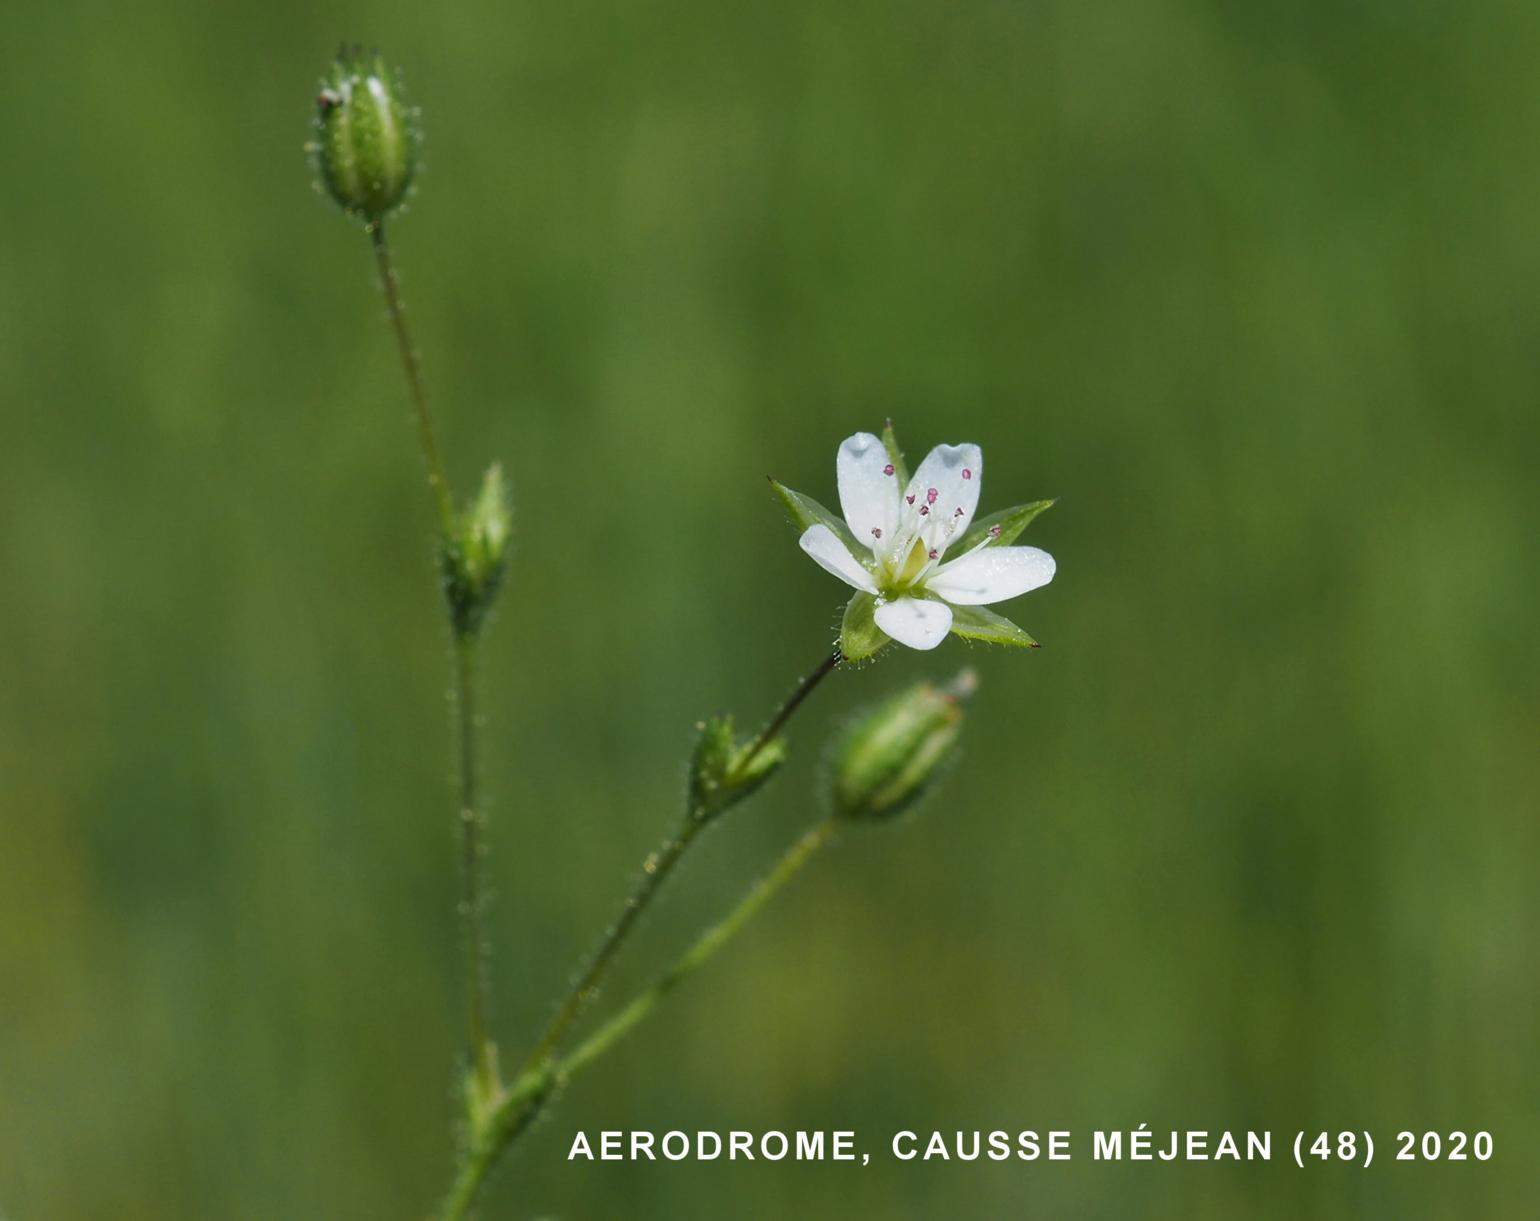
893	543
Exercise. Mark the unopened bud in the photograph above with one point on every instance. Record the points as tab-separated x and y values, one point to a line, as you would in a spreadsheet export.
475	560
724	772
890	756
367	135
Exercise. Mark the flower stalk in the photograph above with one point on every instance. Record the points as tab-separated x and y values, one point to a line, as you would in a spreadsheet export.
482	1051
438	483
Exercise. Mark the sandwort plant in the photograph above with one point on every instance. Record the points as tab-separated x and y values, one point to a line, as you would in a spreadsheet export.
923	565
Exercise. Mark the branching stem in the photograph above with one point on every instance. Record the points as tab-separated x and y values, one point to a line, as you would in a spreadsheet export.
525	1098
510	1111
655	871
705	946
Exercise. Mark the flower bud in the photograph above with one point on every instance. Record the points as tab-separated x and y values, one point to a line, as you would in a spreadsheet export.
724	772
890	756
366	135
475	560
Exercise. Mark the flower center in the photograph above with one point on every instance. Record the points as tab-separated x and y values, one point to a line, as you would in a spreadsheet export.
919	557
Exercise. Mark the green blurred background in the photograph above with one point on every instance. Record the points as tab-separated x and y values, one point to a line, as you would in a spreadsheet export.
1254	289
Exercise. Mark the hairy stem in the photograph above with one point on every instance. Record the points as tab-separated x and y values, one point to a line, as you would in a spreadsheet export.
516	1111
655	871
793	702
510	1111
705	946
526	1097
482	1051
437	483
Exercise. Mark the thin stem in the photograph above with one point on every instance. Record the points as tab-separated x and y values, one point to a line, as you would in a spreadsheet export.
481	1048
793	702
708	944
525	1098
482	1051
437	483
655	871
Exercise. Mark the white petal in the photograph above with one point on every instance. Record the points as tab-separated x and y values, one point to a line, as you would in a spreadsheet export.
825	547
868	494
992	574
948	480
917	622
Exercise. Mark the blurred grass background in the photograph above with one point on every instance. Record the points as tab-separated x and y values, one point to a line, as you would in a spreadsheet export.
1254	289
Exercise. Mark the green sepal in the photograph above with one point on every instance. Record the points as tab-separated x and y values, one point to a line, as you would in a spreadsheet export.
723	772
745	773
476	557
889	757
860	637
708	763
367	135
895	455
1011	522
977	623
805	511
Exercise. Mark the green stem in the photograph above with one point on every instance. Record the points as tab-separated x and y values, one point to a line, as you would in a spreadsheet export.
437	483
516	1110
524	1100
655	871
793	702
483	1053
708	944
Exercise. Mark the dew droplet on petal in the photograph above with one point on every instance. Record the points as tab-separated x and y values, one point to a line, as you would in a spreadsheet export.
967	473
888	470
930	495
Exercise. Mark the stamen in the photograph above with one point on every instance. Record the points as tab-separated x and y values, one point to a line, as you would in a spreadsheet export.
924	510
910	498
959	512
967	474
934	554
930	495
876	531
951	527
888	470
